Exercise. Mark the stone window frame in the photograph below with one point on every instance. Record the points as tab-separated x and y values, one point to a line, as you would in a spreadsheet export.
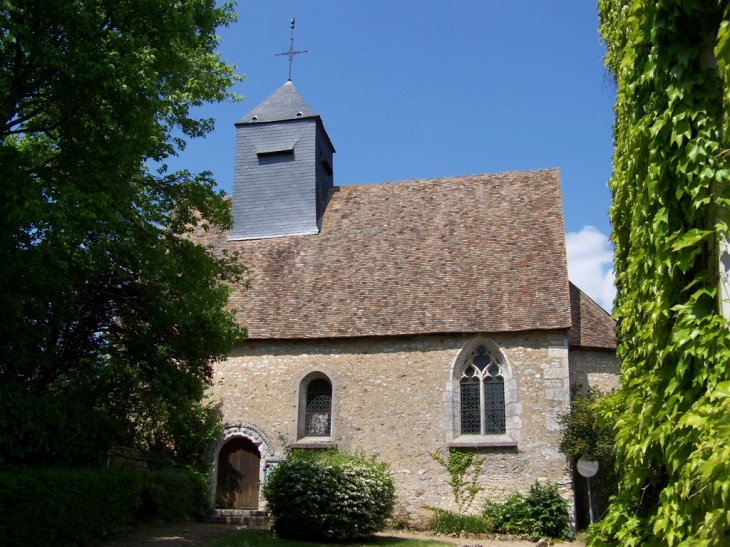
300	405
452	400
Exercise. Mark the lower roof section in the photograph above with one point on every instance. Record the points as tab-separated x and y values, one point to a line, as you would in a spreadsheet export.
592	325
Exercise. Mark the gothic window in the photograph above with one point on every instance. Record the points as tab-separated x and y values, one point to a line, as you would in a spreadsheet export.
482	395
318	408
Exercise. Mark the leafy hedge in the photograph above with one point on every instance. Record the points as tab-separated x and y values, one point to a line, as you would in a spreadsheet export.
170	496
60	507
56	507
328	495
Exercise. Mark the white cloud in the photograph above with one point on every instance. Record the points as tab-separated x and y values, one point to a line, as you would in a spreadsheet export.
590	264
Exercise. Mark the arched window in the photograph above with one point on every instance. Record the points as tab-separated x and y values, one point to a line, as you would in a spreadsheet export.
318	421
482	395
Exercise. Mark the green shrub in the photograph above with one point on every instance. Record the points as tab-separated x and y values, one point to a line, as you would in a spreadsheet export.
448	522
548	511
327	495
44	507
170	496
543	513
512	516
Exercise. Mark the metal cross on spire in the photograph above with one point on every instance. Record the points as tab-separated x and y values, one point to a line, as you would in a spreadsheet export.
292	52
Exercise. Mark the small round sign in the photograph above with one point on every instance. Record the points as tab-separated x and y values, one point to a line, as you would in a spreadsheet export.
587	468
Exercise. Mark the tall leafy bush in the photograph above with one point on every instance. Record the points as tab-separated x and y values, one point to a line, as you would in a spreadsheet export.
328	495
585	434
670	61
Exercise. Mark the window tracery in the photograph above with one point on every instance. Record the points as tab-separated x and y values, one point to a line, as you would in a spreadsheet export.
482	394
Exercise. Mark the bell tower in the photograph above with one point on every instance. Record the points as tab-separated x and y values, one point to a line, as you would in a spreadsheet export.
283	169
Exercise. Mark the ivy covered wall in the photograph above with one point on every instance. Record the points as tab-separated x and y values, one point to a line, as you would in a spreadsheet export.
671	167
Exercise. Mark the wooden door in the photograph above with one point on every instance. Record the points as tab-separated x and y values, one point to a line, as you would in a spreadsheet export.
238	475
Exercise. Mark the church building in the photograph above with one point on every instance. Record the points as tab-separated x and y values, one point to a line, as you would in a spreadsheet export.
397	319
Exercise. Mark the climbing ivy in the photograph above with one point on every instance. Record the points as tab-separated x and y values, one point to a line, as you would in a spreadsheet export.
670	60
459	462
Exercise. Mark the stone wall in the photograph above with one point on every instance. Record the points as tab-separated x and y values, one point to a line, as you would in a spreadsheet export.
394	398
594	368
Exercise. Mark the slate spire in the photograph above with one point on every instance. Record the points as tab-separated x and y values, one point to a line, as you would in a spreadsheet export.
283	104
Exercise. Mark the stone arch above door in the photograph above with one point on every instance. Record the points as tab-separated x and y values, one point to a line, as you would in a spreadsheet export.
240	430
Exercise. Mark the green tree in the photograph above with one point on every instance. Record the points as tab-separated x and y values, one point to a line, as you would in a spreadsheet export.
111	318
669	215
585	434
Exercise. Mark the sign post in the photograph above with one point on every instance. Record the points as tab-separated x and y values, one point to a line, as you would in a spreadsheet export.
588	468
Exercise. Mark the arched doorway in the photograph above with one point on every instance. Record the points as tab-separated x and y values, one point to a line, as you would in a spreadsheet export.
238	475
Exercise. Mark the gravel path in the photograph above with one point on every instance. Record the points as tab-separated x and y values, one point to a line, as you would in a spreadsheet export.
475	541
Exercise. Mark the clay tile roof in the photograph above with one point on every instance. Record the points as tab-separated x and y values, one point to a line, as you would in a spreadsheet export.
592	325
283	104
480	253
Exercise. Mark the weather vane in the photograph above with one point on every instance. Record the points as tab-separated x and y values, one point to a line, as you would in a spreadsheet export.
292	52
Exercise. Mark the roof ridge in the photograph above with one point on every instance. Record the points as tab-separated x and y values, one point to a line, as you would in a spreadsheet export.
447	178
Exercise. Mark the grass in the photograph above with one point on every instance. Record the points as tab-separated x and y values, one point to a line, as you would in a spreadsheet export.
262	538
448	522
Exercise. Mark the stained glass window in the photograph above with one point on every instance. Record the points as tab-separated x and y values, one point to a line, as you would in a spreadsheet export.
470	408
482	395
319	408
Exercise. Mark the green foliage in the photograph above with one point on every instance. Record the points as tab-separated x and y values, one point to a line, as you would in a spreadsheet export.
448	522
548	511
111	318
58	507
585	434
172	495
458	464
511	516
543	513
669	216
328	495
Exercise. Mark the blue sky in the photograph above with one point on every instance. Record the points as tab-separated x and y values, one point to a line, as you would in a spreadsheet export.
425	89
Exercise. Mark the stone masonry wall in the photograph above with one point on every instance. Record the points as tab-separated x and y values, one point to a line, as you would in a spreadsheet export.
594	368
390	399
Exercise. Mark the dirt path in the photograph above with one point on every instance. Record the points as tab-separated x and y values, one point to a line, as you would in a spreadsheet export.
199	534
187	534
